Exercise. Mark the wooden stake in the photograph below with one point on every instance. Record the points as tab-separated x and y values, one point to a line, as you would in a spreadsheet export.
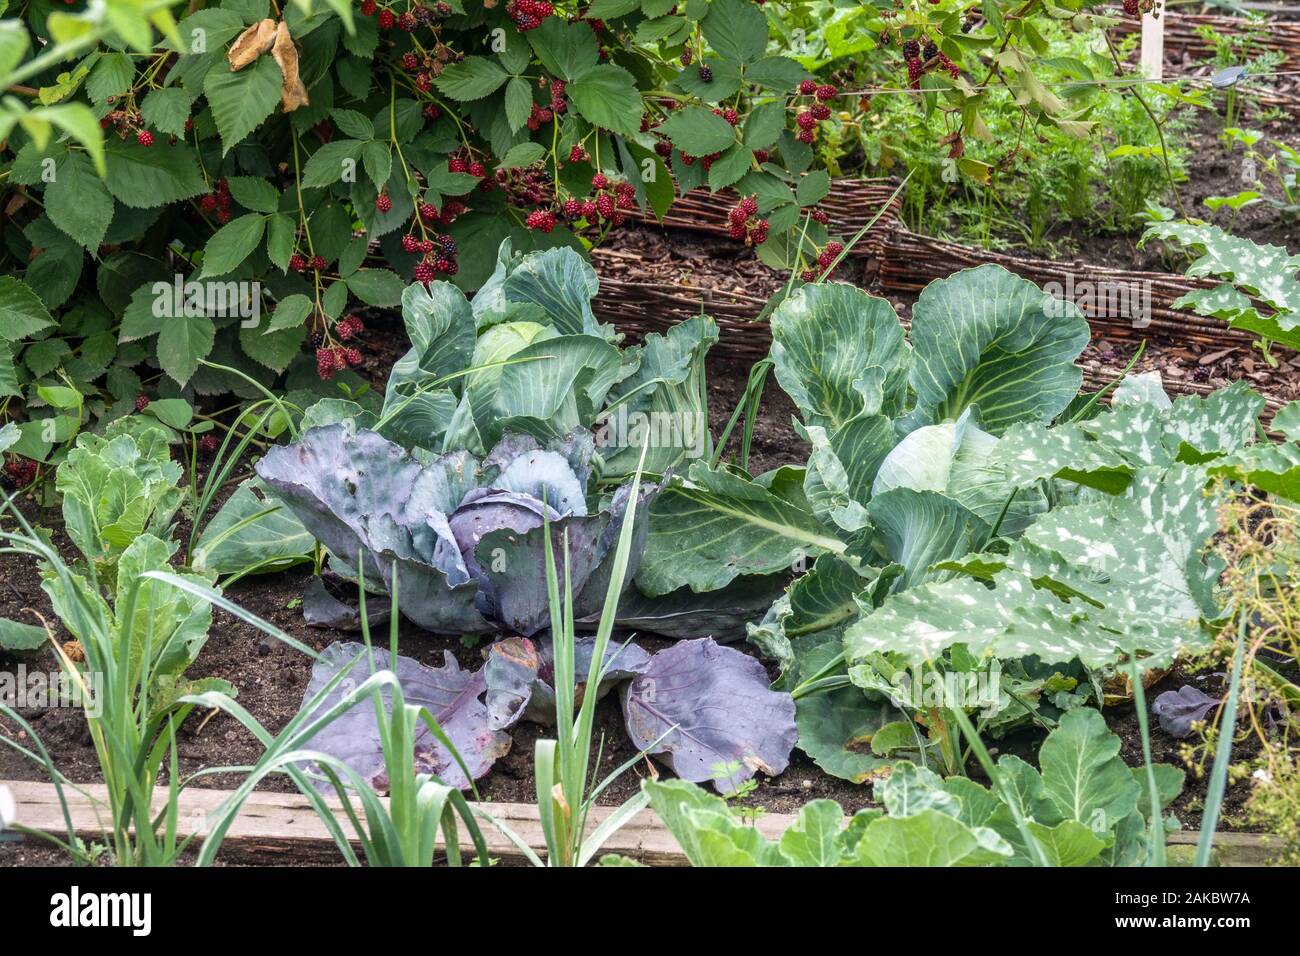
1153	45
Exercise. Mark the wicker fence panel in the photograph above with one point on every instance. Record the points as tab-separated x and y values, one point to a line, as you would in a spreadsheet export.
850	205
1181	33
910	261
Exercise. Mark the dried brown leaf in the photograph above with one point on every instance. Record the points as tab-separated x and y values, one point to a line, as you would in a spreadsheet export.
251	44
293	94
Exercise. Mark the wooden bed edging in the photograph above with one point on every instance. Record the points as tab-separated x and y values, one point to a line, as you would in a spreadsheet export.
271	822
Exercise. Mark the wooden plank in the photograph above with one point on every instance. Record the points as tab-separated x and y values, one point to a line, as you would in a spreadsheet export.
272	823
1235	849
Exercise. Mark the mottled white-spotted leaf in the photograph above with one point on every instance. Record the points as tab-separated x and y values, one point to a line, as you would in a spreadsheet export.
1287	421
1090	581
1144	388
1104	452
1271	468
989	338
1264	272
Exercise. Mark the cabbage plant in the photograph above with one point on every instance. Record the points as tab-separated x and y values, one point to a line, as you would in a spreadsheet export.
964	513
527	355
461	538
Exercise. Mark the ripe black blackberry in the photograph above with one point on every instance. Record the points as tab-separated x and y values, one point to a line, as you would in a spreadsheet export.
931	50
911	50
706	75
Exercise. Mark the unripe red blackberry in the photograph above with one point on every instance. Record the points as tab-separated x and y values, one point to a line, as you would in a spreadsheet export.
208	203
477	169
407	23
820	216
368	8
428	211
324	364
599	181
577	154
410	243
686	57
208	445
750	205
144	137
828	253
352	356
410	62
141	402
542	219
572	209
297	263
807	87
605	205
383	203
826	92
386	19
805	120
318	263
424	273
457	164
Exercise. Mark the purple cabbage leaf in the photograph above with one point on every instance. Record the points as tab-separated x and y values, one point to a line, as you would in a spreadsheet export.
452	695
1178	709
520	676
716	715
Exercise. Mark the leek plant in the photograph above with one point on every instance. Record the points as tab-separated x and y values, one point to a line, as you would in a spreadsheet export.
566	792
402	830
132	721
